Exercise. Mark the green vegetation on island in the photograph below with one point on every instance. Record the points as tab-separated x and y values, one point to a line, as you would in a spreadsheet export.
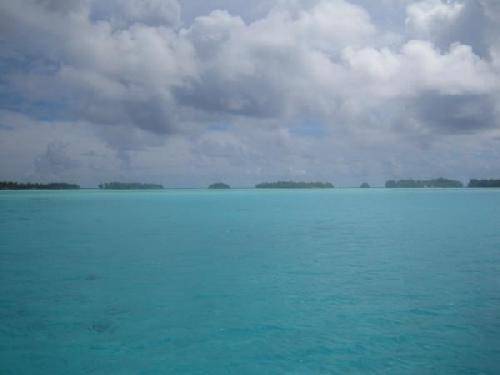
484	184
294	185
219	185
435	183
129	186
11	185
365	185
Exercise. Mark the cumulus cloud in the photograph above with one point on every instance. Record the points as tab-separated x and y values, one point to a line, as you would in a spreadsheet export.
143	78
419	67
428	16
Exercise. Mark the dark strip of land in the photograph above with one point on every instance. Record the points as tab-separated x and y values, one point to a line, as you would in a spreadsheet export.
129	186
436	183
219	185
10	185
484	184
294	185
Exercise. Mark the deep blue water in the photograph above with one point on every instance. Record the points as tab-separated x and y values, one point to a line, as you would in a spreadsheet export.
250	282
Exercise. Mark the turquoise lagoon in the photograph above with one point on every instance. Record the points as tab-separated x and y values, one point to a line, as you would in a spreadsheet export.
250	282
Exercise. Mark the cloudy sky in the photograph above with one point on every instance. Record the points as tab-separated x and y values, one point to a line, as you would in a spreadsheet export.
188	92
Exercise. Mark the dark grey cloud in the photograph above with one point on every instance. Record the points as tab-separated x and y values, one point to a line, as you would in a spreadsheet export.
247	97
62	6
470	22
154	113
470	27
123	13
456	113
55	161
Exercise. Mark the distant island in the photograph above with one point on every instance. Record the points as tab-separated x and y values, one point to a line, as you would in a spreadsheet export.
484	184
10	185
129	186
408	183
435	183
294	185
219	185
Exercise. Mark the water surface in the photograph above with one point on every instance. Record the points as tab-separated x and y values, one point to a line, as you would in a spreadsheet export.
250	282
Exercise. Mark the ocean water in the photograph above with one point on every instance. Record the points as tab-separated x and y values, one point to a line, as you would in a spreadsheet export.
250	282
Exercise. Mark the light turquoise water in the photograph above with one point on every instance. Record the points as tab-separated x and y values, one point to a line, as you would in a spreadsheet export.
250	282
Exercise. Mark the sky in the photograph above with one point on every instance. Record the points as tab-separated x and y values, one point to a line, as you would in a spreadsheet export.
189	92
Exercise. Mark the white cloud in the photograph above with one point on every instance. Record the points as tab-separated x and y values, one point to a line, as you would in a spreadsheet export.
428	16
420	67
